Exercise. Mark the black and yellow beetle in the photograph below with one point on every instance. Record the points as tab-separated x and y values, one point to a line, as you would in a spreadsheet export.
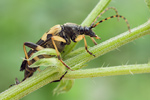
58	37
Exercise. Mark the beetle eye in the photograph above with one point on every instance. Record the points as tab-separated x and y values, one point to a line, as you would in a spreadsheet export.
86	29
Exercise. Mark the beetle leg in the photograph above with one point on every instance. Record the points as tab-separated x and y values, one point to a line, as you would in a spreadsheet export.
80	37
85	43
58	55
60	77
58	38
33	46
16	82
93	40
27	74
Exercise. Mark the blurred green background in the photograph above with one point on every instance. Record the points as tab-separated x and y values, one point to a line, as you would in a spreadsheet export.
27	20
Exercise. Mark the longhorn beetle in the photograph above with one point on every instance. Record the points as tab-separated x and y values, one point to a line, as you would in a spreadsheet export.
58	37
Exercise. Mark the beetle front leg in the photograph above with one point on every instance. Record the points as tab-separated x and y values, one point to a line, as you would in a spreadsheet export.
80	37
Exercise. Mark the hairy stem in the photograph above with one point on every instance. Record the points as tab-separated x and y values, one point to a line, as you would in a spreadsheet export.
108	71
35	82
28	86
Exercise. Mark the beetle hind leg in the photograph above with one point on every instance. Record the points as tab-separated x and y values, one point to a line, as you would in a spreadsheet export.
60	77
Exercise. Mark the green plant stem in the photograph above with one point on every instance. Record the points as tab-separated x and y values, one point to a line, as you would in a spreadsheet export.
108	71
35	82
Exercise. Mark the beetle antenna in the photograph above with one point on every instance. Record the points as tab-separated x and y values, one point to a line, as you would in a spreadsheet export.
104	12
110	18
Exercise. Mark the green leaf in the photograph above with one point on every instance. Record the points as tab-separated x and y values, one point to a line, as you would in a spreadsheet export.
46	62
63	87
46	51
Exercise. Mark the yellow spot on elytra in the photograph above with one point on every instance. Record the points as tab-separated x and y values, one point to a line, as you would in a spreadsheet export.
55	29
44	37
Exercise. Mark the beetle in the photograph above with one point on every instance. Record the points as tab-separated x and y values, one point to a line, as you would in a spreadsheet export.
58	37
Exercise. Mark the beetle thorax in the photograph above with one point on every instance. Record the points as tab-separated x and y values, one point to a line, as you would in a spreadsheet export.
73	30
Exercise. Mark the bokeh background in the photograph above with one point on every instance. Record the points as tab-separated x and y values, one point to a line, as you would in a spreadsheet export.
27	20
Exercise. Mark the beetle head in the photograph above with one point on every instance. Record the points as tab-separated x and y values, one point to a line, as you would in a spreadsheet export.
88	31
